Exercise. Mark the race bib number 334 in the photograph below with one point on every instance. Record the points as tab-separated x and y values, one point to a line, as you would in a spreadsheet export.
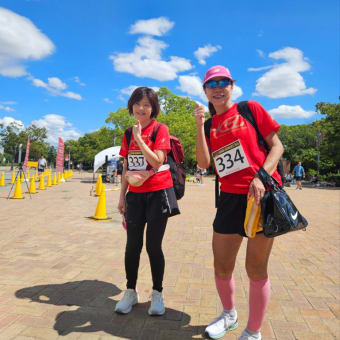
230	158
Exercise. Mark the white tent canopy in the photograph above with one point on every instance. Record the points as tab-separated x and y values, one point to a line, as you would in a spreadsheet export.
111	153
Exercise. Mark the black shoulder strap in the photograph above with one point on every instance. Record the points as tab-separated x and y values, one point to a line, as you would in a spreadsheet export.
128	134
155	131
244	110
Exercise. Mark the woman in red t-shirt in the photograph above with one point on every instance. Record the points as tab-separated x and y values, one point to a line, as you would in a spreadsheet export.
234	147
150	202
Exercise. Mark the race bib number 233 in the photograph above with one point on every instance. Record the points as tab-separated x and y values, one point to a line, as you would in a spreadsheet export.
230	158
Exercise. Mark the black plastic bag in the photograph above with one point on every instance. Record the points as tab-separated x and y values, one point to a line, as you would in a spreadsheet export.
278	212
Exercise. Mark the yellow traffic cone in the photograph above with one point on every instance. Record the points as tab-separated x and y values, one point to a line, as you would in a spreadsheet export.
62	178
42	183
99	185
17	190
49	181
32	186
13	177
54	182
28	175
2	179
59	177
36	176
22	177
100	213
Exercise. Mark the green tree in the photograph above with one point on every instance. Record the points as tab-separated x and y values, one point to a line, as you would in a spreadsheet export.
330	129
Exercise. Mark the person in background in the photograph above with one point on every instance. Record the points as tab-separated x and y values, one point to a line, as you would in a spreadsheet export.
299	172
233	146
42	164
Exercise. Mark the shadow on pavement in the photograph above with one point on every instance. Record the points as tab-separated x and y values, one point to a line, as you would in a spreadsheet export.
95	312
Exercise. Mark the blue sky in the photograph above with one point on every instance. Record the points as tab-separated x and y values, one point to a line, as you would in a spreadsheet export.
65	64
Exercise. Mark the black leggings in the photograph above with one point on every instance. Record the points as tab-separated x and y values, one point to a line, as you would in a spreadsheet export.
154	236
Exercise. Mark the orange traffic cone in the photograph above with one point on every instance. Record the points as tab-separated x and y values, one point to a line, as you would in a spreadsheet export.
42	183
99	185
32	186
100	213
12	178
2	179
17	190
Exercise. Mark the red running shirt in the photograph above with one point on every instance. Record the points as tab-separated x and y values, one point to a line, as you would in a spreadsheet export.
235	149
136	160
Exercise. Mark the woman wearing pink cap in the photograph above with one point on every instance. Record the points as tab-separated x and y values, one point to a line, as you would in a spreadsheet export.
232	143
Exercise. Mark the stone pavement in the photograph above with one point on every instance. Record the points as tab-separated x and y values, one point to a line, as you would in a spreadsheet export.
61	274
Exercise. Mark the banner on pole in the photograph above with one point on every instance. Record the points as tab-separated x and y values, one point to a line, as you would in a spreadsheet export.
60	156
27	154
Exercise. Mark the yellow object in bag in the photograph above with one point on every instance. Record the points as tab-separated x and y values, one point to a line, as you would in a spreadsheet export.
252	221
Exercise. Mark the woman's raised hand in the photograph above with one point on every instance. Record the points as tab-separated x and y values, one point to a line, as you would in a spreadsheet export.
199	114
137	130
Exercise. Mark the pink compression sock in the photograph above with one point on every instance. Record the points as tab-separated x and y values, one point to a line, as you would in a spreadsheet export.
226	290
259	295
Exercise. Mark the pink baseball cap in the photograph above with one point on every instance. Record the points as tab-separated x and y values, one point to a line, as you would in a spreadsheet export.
217	71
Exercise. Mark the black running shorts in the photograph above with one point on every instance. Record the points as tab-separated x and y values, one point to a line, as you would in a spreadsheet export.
230	215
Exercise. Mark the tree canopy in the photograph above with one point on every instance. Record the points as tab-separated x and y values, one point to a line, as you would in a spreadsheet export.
301	142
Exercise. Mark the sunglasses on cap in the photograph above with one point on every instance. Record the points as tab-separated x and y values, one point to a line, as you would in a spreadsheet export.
212	84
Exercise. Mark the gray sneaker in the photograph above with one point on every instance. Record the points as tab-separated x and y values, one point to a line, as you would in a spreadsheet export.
157	304
221	325
129	299
247	336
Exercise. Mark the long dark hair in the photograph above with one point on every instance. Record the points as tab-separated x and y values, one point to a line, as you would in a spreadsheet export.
211	109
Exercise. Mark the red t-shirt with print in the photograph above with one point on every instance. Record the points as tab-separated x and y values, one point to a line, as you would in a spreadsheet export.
136	160
235	149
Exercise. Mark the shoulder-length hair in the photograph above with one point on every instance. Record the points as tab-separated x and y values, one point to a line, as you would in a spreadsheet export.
144	92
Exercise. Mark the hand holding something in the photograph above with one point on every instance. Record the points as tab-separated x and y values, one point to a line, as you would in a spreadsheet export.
137	130
199	115
256	189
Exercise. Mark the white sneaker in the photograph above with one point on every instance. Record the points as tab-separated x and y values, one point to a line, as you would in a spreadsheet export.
222	325
157	304
129	299
247	336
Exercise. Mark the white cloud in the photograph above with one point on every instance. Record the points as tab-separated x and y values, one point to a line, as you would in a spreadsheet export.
56	83
260	53
108	100
6	108
20	40
286	111
157	26
128	90
284	80
8	120
55	87
204	52
193	86
56	126
237	92
8	103
77	80
146	61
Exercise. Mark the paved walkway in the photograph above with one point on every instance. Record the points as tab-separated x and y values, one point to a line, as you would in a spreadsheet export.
62	274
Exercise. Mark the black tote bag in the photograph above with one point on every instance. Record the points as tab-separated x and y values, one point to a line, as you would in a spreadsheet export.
278	212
